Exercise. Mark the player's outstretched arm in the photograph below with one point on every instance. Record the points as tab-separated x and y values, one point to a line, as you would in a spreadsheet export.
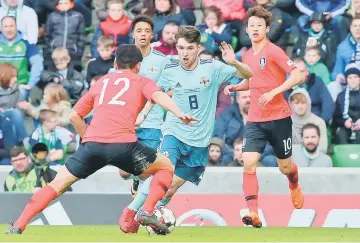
243	85
164	100
78	123
228	55
293	80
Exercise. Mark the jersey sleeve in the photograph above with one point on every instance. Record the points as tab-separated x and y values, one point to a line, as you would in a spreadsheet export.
164	82
222	72
148	88
279	56
86	103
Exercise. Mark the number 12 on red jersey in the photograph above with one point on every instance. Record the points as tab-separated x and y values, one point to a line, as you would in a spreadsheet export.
115	100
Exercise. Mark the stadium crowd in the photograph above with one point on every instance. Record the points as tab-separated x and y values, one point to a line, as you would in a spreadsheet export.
53	51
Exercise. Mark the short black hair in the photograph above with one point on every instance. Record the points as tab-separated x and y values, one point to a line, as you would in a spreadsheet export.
127	56
142	18
310	126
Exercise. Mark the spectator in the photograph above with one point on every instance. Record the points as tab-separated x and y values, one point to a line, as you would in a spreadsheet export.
312	58
167	41
26	18
231	123
300	104
322	104
64	73
333	12
214	30
335	88
347	113
84	7
232	11
215	151
55	99
20	54
46	133
277	27
116	25
164	11
26	176
348	51
8	139
65	28
102	64
43	9
308	154
353	11
238	160
317	36
9	97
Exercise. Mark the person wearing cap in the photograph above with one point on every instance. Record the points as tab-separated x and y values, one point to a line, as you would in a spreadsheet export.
317	36
347	112
215	151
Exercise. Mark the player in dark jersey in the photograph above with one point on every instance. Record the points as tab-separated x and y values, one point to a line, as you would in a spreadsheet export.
110	139
269	114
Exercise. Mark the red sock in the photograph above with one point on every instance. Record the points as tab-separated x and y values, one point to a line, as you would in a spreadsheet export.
251	189
159	185
37	203
293	176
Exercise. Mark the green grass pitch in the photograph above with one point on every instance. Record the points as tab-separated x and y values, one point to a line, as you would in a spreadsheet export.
182	234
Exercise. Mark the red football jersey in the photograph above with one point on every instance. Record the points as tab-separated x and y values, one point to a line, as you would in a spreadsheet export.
117	99
269	68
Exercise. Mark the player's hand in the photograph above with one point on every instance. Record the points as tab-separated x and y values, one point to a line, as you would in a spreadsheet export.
348	124
229	89
228	53
187	119
265	98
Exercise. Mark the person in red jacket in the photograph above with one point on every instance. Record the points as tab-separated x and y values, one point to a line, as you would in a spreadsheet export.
167	41
116	24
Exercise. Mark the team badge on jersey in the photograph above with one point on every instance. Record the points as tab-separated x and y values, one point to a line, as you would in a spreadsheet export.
204	81
152	69
262	62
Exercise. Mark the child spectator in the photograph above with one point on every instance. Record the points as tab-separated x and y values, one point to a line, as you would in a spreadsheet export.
317	36
165	11
65	28
116	25
45	133
347	112
54	98
102	64
167	41
214	30
215	151
64	73
238	161
312	58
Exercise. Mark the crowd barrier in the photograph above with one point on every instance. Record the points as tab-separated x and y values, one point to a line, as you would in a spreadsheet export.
229	181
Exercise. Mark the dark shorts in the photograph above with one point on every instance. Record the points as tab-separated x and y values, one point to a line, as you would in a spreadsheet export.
133	158
278	133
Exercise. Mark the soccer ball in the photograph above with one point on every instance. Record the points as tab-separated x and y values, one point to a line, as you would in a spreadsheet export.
165	216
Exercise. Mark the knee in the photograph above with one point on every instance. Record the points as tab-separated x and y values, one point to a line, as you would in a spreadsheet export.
285	168
125	175
250	162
